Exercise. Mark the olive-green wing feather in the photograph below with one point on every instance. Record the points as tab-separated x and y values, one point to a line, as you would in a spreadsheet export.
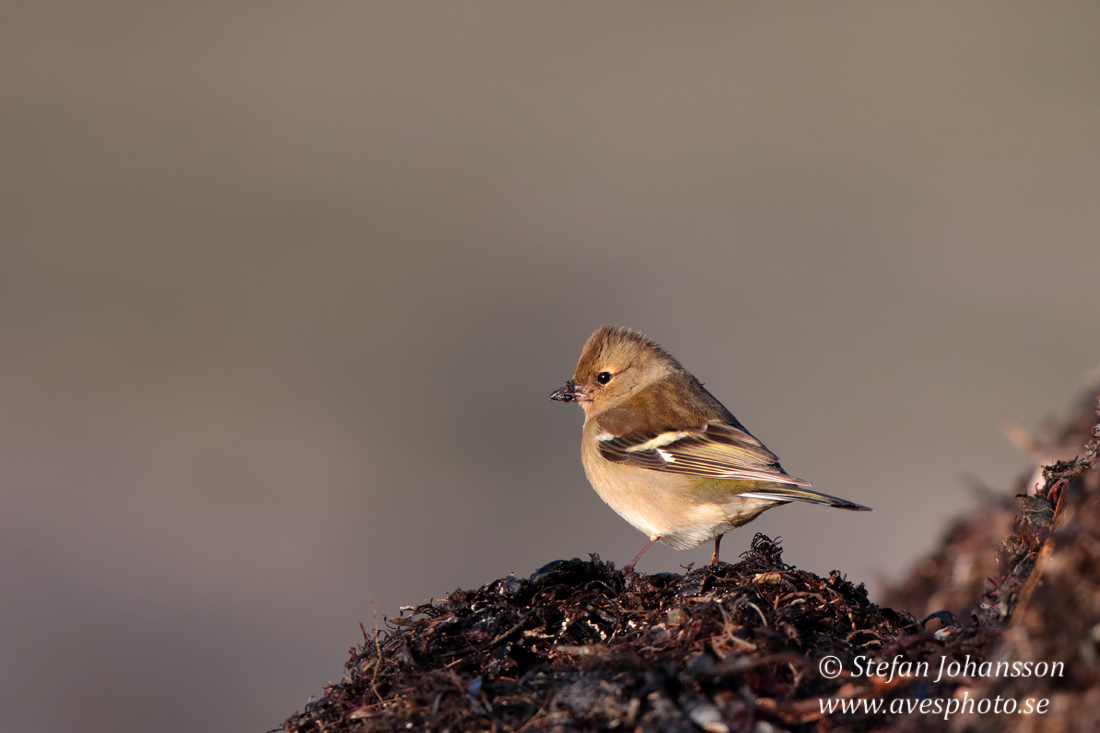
713	450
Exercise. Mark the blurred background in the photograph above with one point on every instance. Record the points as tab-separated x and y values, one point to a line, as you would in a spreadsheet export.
284	289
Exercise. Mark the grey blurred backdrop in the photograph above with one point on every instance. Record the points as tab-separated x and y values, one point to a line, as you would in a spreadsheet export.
284	289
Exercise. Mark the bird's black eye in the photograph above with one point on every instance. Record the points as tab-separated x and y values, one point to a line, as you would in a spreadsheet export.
603	377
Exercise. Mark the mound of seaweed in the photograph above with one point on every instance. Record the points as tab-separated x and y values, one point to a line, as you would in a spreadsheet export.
582	646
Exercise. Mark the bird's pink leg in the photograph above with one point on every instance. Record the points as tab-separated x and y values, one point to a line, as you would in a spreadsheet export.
630	567
714	557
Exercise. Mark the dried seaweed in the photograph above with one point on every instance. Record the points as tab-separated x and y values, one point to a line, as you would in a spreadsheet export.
580	645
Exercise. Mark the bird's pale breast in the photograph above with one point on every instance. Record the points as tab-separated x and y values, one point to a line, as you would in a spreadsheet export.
683	511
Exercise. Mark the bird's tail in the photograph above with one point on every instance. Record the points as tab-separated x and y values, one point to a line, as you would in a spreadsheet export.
788	492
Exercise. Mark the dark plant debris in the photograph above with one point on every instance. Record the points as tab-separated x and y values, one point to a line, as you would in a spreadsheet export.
581	645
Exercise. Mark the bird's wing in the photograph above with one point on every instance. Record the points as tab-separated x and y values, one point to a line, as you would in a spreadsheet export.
712	450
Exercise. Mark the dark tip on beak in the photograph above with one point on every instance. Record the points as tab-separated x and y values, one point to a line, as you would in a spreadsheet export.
568	393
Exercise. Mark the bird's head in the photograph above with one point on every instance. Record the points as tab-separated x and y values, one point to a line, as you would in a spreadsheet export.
615	363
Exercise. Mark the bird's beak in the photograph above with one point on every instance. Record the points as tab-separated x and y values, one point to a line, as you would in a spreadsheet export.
568	393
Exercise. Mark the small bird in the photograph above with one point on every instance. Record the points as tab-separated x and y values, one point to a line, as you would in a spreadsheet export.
664	453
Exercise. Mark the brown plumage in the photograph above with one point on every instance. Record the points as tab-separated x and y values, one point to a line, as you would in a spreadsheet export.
664	453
